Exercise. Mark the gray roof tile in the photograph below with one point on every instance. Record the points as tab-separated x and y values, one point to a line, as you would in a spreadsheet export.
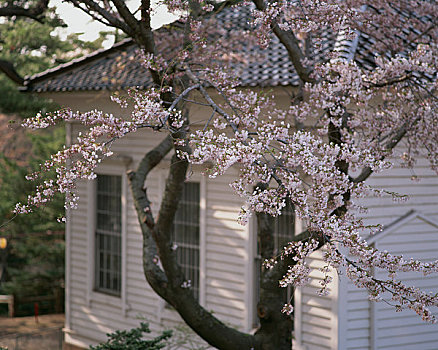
101	69
98	71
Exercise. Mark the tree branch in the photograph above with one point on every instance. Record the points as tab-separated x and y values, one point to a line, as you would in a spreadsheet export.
127	16
291	44
93	7
155	276
8	68
275	329
215	332
35	12
366	172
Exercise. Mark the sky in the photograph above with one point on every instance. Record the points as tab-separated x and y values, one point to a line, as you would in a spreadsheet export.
79	22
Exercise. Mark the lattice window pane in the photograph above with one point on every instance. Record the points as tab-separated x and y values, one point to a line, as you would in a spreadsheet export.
284	230
108	257
186	234
284	227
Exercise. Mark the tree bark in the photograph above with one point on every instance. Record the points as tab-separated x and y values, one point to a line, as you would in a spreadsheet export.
8	68
275	331
168	282
35	12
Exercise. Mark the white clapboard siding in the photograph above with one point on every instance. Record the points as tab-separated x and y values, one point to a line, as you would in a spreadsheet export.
357	332
341	320
416	237
357	328
226	253
346	314
315	314
92	317
226	256
422	192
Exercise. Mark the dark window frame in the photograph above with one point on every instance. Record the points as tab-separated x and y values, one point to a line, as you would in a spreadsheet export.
186	234
108	235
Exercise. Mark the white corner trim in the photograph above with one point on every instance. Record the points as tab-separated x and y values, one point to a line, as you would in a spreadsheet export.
336	305
203	241
125	306
251	247
342	308
298	318
68	269
68	232
91	224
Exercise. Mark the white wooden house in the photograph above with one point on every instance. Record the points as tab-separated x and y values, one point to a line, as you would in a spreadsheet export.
105	285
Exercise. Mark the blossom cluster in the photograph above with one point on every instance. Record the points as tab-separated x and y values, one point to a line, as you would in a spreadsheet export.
80	160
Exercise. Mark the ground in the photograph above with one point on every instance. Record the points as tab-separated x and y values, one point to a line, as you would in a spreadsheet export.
25	334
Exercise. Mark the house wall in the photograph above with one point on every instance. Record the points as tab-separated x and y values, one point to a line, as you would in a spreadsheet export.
344	318
316	318
341	320
357	331
226	250
405	330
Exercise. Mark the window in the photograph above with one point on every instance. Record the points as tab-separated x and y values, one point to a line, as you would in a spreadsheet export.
108	245
186	234
284	230
284	227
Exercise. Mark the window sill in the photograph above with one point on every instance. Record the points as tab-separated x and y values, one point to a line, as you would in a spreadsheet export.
112	300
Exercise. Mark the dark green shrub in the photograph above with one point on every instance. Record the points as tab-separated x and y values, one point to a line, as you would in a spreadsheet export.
132	340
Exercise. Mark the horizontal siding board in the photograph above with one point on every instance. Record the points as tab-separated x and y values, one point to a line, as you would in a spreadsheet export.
318	301
317	311
403	339
237	252
314	341
224	256
213	284
358	343
358	314
383	210
316	321
360	323
397	330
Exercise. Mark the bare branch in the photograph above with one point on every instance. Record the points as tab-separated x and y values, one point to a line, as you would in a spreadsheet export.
126	14
8	68
35	12
366	172
291	44
154	274
92	8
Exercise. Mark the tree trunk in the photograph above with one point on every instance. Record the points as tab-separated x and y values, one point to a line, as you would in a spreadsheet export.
275	332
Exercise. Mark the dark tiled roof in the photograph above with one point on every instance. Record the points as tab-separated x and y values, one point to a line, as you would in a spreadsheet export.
119	68
114	68
101	70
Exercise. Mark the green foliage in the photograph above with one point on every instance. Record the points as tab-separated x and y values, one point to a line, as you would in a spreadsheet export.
132	340
14	102
33	263
14	187
184	338
34	47
35	255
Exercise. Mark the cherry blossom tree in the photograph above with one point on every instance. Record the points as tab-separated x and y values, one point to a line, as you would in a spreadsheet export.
344	121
